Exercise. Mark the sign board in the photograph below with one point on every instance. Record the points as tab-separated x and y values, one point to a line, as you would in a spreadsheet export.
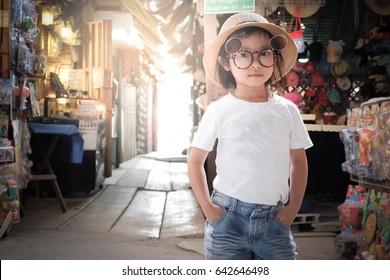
228	6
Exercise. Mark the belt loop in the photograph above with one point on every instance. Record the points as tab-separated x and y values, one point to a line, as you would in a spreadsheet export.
233	205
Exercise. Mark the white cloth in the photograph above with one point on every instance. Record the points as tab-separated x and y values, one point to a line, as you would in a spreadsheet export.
254	142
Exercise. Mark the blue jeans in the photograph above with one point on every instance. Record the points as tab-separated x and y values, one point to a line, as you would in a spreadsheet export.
247	231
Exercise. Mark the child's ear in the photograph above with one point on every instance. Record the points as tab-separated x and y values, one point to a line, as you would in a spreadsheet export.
224	62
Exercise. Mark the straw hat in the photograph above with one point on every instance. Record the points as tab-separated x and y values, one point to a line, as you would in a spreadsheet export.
380	7
340	69
265	8
343	84
236	22
305	10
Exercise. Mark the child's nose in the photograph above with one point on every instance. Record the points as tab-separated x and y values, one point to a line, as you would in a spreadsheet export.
256	61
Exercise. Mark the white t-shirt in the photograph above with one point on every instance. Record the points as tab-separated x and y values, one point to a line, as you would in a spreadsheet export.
254	142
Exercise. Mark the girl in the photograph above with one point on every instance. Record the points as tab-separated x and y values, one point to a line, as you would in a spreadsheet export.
260	161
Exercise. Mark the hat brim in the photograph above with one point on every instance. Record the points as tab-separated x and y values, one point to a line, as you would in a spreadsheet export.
210	57
340	69
304	10
379	9
344	84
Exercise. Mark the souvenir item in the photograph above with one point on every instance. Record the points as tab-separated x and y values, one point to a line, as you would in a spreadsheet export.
334	50
310	67
296	32
317	79
295	97
330	118
369	227
343	84
306	10
323	98
315	51
292	79
324	67
334	96
340	69
380	7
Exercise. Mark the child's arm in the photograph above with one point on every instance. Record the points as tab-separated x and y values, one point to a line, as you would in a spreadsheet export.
198	180
298	180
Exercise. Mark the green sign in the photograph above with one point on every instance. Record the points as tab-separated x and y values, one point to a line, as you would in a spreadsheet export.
228	6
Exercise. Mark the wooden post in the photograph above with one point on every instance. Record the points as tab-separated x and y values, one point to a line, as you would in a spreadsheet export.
210	32
5	38
212	91
97	65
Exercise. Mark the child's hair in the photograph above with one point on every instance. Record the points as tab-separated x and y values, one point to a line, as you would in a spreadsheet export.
227	78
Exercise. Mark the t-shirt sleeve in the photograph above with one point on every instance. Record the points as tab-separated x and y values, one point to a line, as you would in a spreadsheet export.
299	136
206	133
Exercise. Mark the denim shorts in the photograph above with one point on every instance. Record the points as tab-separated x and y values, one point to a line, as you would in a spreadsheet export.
247	231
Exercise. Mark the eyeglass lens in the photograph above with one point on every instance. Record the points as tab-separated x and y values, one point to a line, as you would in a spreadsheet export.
244	58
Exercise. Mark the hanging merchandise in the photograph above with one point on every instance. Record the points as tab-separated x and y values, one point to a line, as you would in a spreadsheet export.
334	50
324	67
317	80
292	79
315	51
340	69
296	32
350	213
366	141
306	8
380	7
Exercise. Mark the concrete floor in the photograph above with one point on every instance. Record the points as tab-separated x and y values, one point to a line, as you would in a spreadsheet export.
146	210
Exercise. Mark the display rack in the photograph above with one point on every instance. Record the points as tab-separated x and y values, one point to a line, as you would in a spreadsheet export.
368	183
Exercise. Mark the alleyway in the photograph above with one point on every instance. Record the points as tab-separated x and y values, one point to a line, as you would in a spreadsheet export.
146	210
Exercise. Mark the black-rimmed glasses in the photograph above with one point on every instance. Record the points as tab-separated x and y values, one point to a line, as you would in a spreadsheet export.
243	59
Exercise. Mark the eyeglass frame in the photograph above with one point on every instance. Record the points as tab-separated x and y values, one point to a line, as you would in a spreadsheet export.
233	56
275	51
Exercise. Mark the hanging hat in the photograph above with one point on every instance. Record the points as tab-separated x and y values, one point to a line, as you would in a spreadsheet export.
377	71
236	22
323	98
292	79
343	84
334	50
340	69
366	91
315	51
359	44
334	96
310	67
380	51
324	67
295	97
265	8
317	79
305	80
298	66
310	93
305	10
380	7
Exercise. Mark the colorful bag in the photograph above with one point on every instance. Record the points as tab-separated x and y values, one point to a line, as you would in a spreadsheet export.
296	32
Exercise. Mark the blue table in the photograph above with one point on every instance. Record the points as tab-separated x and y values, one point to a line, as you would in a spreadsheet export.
54	142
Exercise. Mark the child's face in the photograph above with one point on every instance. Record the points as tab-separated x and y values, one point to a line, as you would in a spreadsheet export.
256	74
